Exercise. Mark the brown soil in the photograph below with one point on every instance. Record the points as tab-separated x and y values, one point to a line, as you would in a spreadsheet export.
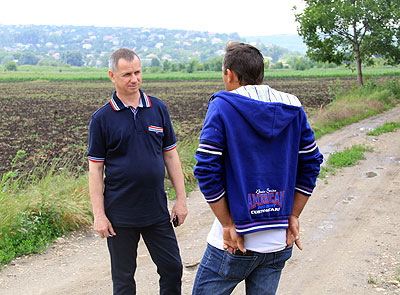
349	234
49	120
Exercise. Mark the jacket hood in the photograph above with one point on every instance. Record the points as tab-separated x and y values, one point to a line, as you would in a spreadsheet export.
266	110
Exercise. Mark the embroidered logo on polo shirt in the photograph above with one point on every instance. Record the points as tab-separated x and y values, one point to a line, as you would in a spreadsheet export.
156	129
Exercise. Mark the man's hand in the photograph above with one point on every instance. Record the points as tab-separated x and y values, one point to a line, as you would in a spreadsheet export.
232	240
179	209
103	226
293	232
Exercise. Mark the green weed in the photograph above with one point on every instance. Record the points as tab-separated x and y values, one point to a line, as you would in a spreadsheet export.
33	213
372	280
186	150
385	128
31	231
347	158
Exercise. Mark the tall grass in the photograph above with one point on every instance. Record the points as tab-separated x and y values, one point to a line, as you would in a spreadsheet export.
33	214
354	105
186	151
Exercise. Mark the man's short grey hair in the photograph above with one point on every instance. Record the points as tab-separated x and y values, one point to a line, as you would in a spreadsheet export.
124	53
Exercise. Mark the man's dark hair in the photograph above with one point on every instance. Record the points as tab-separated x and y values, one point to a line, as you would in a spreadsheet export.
246	62
124	53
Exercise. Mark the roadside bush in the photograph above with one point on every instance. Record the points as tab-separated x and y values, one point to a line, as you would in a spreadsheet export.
31	231
35	213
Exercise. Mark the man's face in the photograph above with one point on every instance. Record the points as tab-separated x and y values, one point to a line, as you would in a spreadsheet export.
128	77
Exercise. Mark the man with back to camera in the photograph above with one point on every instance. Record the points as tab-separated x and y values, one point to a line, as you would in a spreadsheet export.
257	165
131	137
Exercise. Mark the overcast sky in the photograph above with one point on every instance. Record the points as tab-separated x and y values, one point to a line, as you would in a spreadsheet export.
246	17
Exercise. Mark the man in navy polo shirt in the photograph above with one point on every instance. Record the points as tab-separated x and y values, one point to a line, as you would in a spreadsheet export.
132	140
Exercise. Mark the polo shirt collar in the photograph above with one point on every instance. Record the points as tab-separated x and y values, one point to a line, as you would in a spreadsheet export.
118	105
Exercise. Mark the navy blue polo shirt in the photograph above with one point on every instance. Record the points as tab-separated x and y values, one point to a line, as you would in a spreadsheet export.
131	142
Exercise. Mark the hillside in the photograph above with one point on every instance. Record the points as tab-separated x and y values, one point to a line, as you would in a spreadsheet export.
288	41
91	46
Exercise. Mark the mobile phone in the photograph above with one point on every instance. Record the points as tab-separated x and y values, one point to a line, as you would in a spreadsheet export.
175	221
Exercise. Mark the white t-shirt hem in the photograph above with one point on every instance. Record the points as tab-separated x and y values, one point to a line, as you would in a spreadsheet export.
266	241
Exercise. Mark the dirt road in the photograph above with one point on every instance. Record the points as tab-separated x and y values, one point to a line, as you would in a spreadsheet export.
349	233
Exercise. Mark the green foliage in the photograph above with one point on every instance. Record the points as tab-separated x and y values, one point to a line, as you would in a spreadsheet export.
347	158
155	62
186	149
9	177
352	105
387	127
36	210
192	66
28	58
351	31
166	65
277	65
31	231
73	58
10	66
178	72
300	63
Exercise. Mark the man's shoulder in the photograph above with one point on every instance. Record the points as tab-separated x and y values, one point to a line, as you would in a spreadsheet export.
102	111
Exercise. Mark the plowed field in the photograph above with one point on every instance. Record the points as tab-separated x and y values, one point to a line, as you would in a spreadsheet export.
49	120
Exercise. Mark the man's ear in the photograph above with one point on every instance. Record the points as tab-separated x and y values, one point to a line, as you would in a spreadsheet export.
232	77
111	74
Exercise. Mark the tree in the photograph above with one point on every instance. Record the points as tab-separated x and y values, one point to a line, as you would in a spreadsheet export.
192	66
155	62
351	31
10	66
300	63
73	58
166	65
28	58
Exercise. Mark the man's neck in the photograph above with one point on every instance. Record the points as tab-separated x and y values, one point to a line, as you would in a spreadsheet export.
132	100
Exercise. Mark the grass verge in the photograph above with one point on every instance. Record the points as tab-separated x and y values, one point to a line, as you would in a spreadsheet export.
347	158
34	215
35	211
385	128
354	105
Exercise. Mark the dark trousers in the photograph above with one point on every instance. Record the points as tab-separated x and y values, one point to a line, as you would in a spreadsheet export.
161	242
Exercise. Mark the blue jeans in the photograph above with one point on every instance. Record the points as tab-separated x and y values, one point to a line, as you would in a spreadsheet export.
163	248
219	272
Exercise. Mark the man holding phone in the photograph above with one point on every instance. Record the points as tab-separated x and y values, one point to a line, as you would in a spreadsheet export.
131	140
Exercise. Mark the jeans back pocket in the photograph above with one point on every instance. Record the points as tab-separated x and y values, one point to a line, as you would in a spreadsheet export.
235	267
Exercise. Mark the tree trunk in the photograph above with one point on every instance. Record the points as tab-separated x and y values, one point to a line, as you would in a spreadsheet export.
357	56
359	70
